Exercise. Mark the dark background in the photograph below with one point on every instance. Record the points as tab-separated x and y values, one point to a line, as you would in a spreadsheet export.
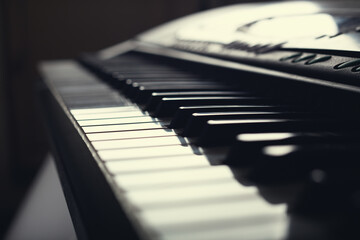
35	30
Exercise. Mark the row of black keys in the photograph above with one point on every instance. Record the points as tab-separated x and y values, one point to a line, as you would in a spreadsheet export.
271	140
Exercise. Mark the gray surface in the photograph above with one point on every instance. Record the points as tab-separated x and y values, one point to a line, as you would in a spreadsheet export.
44	213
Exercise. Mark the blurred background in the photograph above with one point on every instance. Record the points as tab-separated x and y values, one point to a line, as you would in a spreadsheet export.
36	30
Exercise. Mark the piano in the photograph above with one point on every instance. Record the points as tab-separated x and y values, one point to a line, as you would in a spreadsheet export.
240	122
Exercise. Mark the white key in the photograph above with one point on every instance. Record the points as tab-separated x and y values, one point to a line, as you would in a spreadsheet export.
150	198
122	127
169	218
130	182
148	152
141	119
130	134
81	111
134	113
156	164
138	143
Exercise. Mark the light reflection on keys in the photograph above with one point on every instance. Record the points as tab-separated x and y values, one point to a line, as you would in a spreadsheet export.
148	152
155	164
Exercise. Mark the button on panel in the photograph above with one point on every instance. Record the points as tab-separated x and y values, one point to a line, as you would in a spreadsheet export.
321	36
356	69
317	60
351	63
304	58
336	35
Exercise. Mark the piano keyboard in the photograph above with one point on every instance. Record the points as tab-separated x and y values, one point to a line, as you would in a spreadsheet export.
194	154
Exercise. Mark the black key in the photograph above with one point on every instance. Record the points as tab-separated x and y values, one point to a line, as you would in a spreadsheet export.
168	106
132	88
121	83
120	79
118	72
197	121
146	91
156	97
124	66
145	70
150	81
157	75
224	131
243	152
183	113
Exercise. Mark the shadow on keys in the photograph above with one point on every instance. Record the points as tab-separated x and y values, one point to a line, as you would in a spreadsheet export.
323	204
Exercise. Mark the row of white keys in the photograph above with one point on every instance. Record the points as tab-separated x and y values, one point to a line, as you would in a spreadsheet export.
208	218
159	149
212	191
172	210
170	187
121	128
177	219
197	211
118	123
